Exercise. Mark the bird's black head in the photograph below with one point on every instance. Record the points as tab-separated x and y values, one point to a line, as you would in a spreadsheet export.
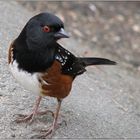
42	30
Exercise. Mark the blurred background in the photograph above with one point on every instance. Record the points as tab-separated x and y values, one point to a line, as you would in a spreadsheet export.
112	28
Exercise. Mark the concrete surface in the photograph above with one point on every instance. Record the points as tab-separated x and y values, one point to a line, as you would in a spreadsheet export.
104	102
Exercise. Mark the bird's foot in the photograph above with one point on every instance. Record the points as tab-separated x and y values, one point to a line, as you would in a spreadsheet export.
48	133
25	118
45	133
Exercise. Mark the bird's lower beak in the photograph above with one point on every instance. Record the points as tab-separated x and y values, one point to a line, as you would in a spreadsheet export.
61	34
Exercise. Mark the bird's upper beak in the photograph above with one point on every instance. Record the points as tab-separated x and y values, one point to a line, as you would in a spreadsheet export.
61	34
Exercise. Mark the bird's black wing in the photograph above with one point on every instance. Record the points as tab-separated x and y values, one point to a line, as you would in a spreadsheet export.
70	63
73	65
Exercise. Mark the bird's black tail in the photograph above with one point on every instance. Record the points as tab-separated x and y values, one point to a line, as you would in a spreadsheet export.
87	61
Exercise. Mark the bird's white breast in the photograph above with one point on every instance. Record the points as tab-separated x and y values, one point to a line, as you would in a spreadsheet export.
27	80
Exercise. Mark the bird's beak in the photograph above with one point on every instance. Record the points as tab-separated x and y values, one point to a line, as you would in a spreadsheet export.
61	34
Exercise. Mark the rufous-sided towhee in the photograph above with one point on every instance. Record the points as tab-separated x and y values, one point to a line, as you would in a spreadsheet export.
43	66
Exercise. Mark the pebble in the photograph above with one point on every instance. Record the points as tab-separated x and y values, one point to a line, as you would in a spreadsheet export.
77	32
117	38
13	135
120	17
92	7
94	39
136	28
135	46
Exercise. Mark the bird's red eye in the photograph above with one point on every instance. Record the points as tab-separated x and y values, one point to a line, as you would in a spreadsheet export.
46	29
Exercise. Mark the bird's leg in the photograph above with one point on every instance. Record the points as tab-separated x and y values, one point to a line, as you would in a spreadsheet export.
30	117
52	128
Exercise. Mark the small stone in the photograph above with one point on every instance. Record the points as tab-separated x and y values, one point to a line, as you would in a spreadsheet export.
13	135
116	38
136	28
120	17
92	7
94	39
135	46
77	32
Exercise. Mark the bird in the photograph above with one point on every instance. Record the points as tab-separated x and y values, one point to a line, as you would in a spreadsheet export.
43	66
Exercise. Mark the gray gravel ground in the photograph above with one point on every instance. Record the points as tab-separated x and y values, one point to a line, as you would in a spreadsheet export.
104	102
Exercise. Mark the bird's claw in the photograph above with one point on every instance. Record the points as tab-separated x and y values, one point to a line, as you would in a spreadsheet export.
24	118
48	133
